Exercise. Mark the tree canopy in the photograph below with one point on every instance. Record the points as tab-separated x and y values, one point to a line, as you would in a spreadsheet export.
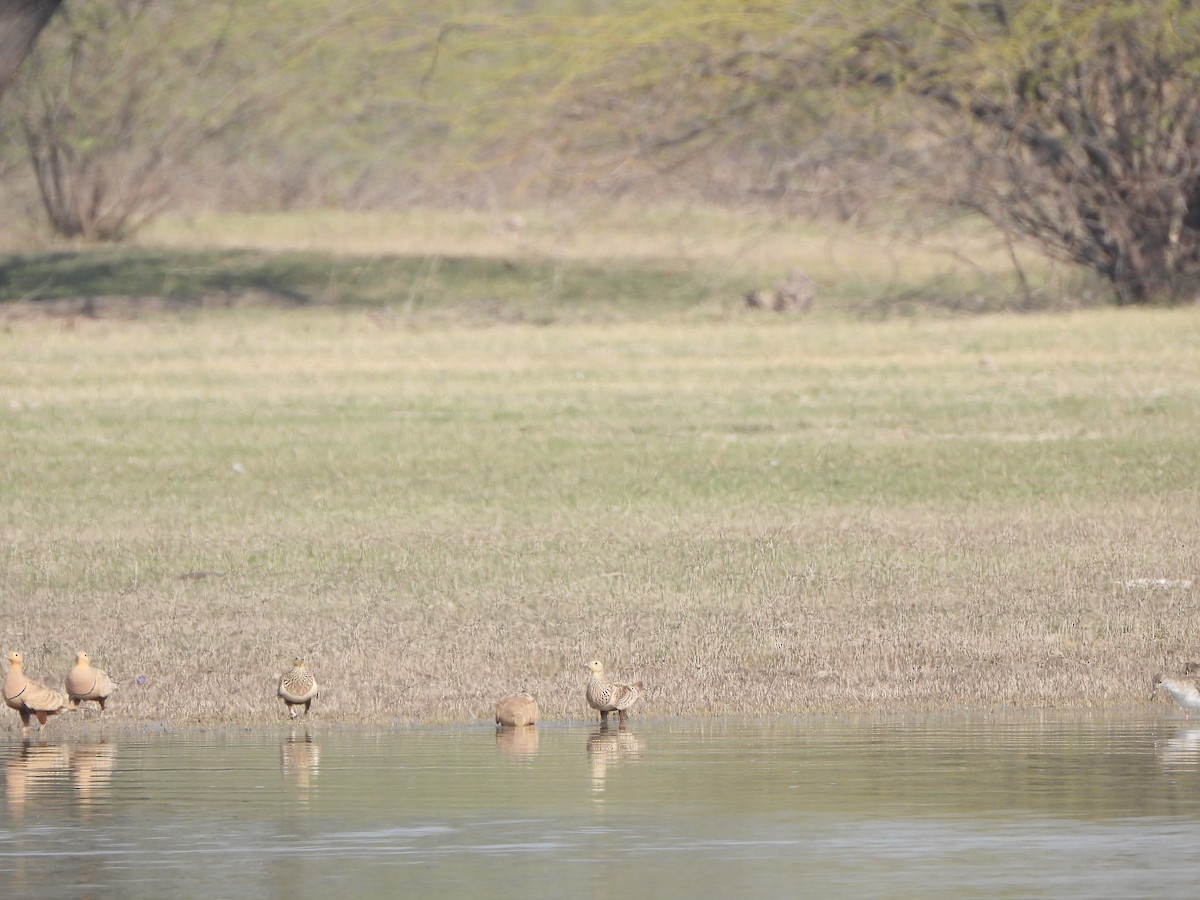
1072	124
1077	123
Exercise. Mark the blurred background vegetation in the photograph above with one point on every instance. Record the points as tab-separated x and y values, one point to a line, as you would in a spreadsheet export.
266	106
1069	127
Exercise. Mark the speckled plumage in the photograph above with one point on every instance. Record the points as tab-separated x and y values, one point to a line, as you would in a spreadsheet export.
297	687
29	697
609	696
87	683
516	710
1185	690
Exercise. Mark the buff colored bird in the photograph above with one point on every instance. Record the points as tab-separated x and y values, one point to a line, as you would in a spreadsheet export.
297	687
609	696
516	710
87	683
1185	690
29	697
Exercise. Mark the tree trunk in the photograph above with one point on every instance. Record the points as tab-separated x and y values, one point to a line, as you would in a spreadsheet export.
20	23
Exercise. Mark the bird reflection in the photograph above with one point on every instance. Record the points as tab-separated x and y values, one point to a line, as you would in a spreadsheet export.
33	772
36	773
520	742
300	759
607	746
1182	750
92	770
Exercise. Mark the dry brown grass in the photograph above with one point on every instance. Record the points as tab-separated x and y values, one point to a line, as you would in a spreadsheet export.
840	613
715	239
748	517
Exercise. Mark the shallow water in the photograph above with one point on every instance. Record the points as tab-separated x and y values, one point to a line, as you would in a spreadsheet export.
1051	804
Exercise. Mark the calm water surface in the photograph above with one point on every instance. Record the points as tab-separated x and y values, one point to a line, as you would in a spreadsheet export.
1053	804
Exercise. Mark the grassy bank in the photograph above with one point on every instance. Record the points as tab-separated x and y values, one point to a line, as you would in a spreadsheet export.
537	266
750	515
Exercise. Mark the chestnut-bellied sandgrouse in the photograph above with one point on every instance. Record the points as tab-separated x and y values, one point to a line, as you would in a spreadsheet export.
297	687
609	696
29	697
87	683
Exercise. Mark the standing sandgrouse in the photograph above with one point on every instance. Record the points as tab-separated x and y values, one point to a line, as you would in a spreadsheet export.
297	686
86	683
28	697
609	696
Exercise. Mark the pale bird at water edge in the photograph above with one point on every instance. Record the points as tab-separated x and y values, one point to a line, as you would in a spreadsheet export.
1185	690
609	696
516	710
87	683
29	697
297	687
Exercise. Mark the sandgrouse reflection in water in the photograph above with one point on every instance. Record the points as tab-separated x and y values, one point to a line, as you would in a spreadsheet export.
518	742
92	771
610	746
300	759
37	773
